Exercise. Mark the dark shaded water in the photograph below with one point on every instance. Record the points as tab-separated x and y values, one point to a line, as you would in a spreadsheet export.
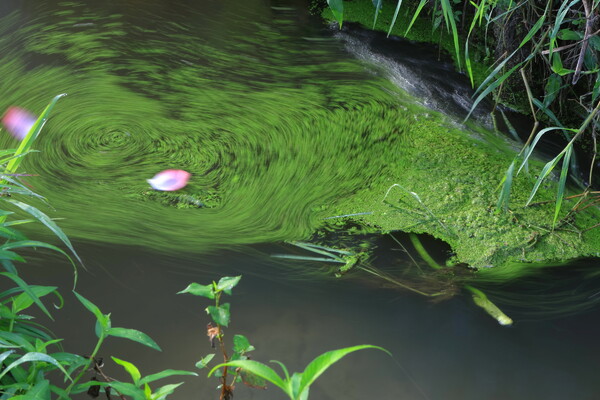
240	94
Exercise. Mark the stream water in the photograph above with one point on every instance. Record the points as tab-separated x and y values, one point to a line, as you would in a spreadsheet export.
246	95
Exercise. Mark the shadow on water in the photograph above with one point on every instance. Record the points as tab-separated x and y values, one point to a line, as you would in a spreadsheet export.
256	102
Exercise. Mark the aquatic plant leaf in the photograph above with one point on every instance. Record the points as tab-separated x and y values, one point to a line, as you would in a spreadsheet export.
24	300
170	180
228	282
44	219
543	174
165	374
135	335
480	299
241	344
166	390
220	314
337	8
199	290
30	292
34	357
259	369
101	319
204	362
131	369
562	182
320	364
506	183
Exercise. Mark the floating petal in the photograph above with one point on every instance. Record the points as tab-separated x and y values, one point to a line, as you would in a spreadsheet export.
18	122
170	180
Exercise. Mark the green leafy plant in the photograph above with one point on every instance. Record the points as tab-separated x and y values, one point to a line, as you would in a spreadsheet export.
238	366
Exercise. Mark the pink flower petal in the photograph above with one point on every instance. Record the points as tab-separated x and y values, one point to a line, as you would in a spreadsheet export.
18	122
169	180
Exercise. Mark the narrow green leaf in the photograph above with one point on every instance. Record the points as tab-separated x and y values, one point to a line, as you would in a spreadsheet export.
10	256
257	368
320	364
135	335
24	300
562	182
220	315
506	183
377	4
337	8
552	88
204	362
537	138
395	16
165	374
199	290
100	318
533	30
451	25
415	16
131	369
227	283
34	357
44	219
27	289
543	174
166	390
5	355
40	391
127	389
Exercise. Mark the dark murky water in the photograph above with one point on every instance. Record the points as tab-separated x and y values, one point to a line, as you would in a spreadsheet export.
237	93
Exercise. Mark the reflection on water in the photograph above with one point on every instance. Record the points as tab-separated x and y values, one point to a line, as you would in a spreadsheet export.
273	119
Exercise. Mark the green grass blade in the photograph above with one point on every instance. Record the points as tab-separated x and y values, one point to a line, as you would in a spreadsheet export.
506	183
415	15
305	258
377	11
32	135
451	25
395	16
480	299
562	183
545	172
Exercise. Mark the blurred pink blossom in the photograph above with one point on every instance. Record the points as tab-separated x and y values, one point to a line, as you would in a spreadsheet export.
169	180
18	122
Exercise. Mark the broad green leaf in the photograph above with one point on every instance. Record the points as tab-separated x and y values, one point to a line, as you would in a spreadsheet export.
337	8
40	391
135	335
204	362
27	289
316	367
102	320
34	357
164	374
199	290
166	390
567	34
227	283
131	369
24	300
127	389
258	369
220	315
241	344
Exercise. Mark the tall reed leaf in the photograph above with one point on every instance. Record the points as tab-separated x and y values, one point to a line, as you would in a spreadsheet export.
415	15
395	16
337	8
506	183
32	135
377	4
562	182
537	138
560	16
545	172
451	24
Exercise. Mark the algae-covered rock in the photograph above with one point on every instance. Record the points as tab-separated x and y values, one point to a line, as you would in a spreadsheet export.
444	182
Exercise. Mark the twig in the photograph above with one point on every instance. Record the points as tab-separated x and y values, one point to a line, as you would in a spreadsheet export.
584	44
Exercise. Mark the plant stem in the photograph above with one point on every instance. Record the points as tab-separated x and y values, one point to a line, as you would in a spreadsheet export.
89	363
